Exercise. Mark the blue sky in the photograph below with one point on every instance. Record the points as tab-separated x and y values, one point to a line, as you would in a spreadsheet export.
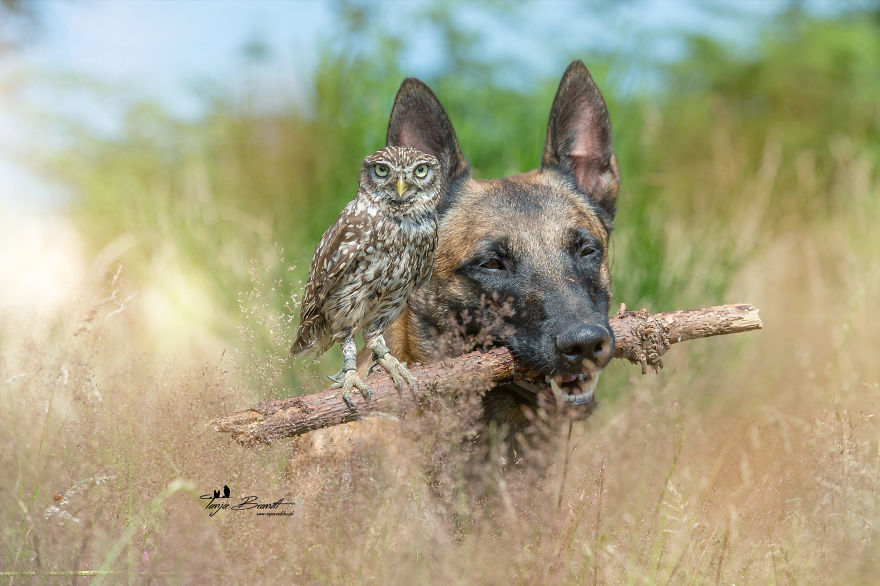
166	48
162	47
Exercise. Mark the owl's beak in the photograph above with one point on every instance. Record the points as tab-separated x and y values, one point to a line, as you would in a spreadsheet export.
401	186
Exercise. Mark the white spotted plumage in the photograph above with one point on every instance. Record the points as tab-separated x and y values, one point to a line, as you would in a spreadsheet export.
376	253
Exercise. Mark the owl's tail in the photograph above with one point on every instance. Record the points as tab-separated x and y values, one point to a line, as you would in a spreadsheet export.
302	346
309	338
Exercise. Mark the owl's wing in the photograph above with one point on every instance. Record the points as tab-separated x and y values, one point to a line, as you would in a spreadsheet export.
336	251
425	275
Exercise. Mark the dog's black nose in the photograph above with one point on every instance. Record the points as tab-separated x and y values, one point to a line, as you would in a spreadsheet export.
585	342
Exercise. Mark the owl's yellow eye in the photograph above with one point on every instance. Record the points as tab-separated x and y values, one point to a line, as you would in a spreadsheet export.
421	170
381	170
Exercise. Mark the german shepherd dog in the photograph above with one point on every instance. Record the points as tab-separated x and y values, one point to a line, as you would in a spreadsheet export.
537	242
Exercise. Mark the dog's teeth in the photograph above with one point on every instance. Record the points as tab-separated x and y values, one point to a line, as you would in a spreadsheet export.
554	386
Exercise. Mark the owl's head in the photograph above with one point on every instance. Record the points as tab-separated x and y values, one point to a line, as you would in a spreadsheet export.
402	181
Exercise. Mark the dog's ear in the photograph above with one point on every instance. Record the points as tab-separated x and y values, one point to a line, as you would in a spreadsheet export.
579	137
419	121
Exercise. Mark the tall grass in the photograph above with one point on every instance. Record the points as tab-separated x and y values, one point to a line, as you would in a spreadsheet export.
753	459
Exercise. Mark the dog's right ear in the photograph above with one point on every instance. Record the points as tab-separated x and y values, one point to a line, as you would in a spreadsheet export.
419	121
579	138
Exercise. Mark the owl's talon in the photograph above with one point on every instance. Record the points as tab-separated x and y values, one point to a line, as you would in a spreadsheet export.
351	381
399	373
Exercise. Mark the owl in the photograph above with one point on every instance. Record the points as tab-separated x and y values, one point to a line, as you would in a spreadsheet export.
369	262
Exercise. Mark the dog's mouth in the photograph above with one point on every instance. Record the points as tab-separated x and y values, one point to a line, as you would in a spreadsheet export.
574	389
570	389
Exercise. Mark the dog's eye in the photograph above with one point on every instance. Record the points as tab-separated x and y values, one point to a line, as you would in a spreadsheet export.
491	264
588	251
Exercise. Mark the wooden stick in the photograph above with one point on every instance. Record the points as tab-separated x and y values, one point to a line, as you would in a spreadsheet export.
640	337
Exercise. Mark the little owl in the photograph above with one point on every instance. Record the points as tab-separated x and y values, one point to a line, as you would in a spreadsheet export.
369	262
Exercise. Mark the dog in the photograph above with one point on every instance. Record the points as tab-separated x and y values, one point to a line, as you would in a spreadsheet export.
536	242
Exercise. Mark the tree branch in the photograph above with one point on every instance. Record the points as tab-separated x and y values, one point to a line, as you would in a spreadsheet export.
640	337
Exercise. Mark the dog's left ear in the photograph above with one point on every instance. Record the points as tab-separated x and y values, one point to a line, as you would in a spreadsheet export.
419	121
579	138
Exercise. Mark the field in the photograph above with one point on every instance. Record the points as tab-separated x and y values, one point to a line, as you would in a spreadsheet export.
748	459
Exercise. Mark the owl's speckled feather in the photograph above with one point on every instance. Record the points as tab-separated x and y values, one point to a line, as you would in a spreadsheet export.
376	253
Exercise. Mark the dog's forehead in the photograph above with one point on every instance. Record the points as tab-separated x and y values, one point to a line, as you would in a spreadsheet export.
538	208
533	215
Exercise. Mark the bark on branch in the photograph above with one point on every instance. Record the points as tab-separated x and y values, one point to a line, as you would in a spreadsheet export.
640	337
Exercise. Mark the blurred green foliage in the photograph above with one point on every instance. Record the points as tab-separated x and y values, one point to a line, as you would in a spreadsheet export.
730	145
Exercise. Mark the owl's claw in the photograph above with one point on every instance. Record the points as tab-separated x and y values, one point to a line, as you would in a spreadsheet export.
351	380
398	372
